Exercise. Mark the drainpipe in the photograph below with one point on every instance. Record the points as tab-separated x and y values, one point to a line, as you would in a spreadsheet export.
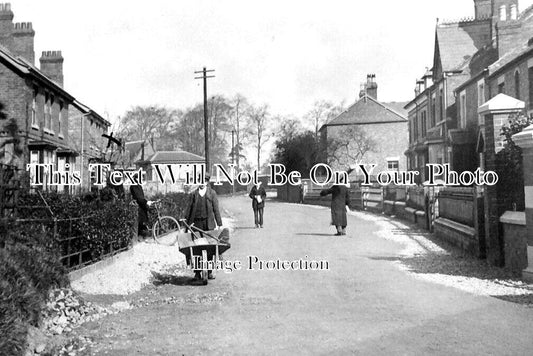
445	107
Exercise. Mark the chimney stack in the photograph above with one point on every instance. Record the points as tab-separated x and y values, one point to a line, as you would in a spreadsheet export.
6	26
23	41
371	86
52	66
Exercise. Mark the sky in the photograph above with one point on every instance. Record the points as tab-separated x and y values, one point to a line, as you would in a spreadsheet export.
286	54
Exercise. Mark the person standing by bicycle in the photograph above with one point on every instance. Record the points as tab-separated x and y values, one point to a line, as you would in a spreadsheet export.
204	212
137	194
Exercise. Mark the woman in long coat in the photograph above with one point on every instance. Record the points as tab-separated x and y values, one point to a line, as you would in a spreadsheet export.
340	200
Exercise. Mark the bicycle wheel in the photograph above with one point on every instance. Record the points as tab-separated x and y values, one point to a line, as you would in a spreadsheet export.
164	230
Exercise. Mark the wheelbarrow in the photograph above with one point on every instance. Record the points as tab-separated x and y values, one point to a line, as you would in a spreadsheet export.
202	249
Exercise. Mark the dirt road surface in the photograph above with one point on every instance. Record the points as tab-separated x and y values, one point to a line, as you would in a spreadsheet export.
362	305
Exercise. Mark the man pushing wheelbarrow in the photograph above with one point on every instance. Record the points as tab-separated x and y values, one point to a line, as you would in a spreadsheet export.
204	216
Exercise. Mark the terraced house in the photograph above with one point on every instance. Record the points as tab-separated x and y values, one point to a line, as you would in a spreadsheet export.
482	75
35	97
442	118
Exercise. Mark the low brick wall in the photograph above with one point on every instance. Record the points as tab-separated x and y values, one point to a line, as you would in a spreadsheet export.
457	234
515	240
399	209
388	207
421	219
410	214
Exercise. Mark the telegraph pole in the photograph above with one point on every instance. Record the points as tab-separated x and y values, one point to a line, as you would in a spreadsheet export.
233	156
206	120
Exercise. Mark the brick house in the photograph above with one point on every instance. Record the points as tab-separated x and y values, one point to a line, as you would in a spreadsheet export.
86	128
443	115
184	158
383	125
35	97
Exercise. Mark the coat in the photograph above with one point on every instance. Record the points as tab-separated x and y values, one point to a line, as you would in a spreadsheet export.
258	191
213	213
340	198
137	194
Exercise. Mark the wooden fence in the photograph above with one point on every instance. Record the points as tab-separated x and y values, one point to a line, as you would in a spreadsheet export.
66	238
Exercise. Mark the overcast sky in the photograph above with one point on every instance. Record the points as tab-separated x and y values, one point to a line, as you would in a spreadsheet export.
286	54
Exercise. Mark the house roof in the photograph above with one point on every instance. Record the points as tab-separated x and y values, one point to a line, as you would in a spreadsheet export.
133	147
510	56
25	68
456	43
175	157
87	110
368	110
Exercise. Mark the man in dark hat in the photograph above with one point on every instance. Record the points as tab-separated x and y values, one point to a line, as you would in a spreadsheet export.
204	212
137	194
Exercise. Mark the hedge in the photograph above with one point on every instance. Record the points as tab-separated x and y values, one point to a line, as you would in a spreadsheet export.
30	255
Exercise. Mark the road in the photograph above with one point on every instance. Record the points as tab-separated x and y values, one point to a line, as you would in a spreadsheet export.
362	305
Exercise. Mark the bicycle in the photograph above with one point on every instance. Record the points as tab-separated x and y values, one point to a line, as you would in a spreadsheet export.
161	226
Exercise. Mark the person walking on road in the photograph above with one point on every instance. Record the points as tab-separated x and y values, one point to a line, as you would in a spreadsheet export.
340	200
258	196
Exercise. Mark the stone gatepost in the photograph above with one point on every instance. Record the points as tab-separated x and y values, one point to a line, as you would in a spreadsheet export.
524	140
493	115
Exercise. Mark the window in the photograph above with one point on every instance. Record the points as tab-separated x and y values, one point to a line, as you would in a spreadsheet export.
50	113
530	79
503	13
47	113
424	124
441	101
59	128
480	93
415	128
34	110
393	165
462	111
517	85
501	85
433	110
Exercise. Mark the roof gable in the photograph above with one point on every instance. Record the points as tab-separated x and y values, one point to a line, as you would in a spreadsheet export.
175	157
368	110
456	43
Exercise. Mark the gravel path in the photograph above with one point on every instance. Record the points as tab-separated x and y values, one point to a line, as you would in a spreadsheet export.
133	271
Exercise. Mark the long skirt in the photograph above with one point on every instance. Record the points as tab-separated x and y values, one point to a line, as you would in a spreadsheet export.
338	217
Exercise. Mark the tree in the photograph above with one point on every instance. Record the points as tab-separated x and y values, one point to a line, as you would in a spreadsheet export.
219	127
295	147
351	144
239	107
190	134
10	150
144	122
322	112
510	166
258	128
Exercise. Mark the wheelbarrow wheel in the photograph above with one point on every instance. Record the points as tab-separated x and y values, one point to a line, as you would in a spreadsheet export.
205	271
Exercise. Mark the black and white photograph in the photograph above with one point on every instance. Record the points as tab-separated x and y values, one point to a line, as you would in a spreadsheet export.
266	178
